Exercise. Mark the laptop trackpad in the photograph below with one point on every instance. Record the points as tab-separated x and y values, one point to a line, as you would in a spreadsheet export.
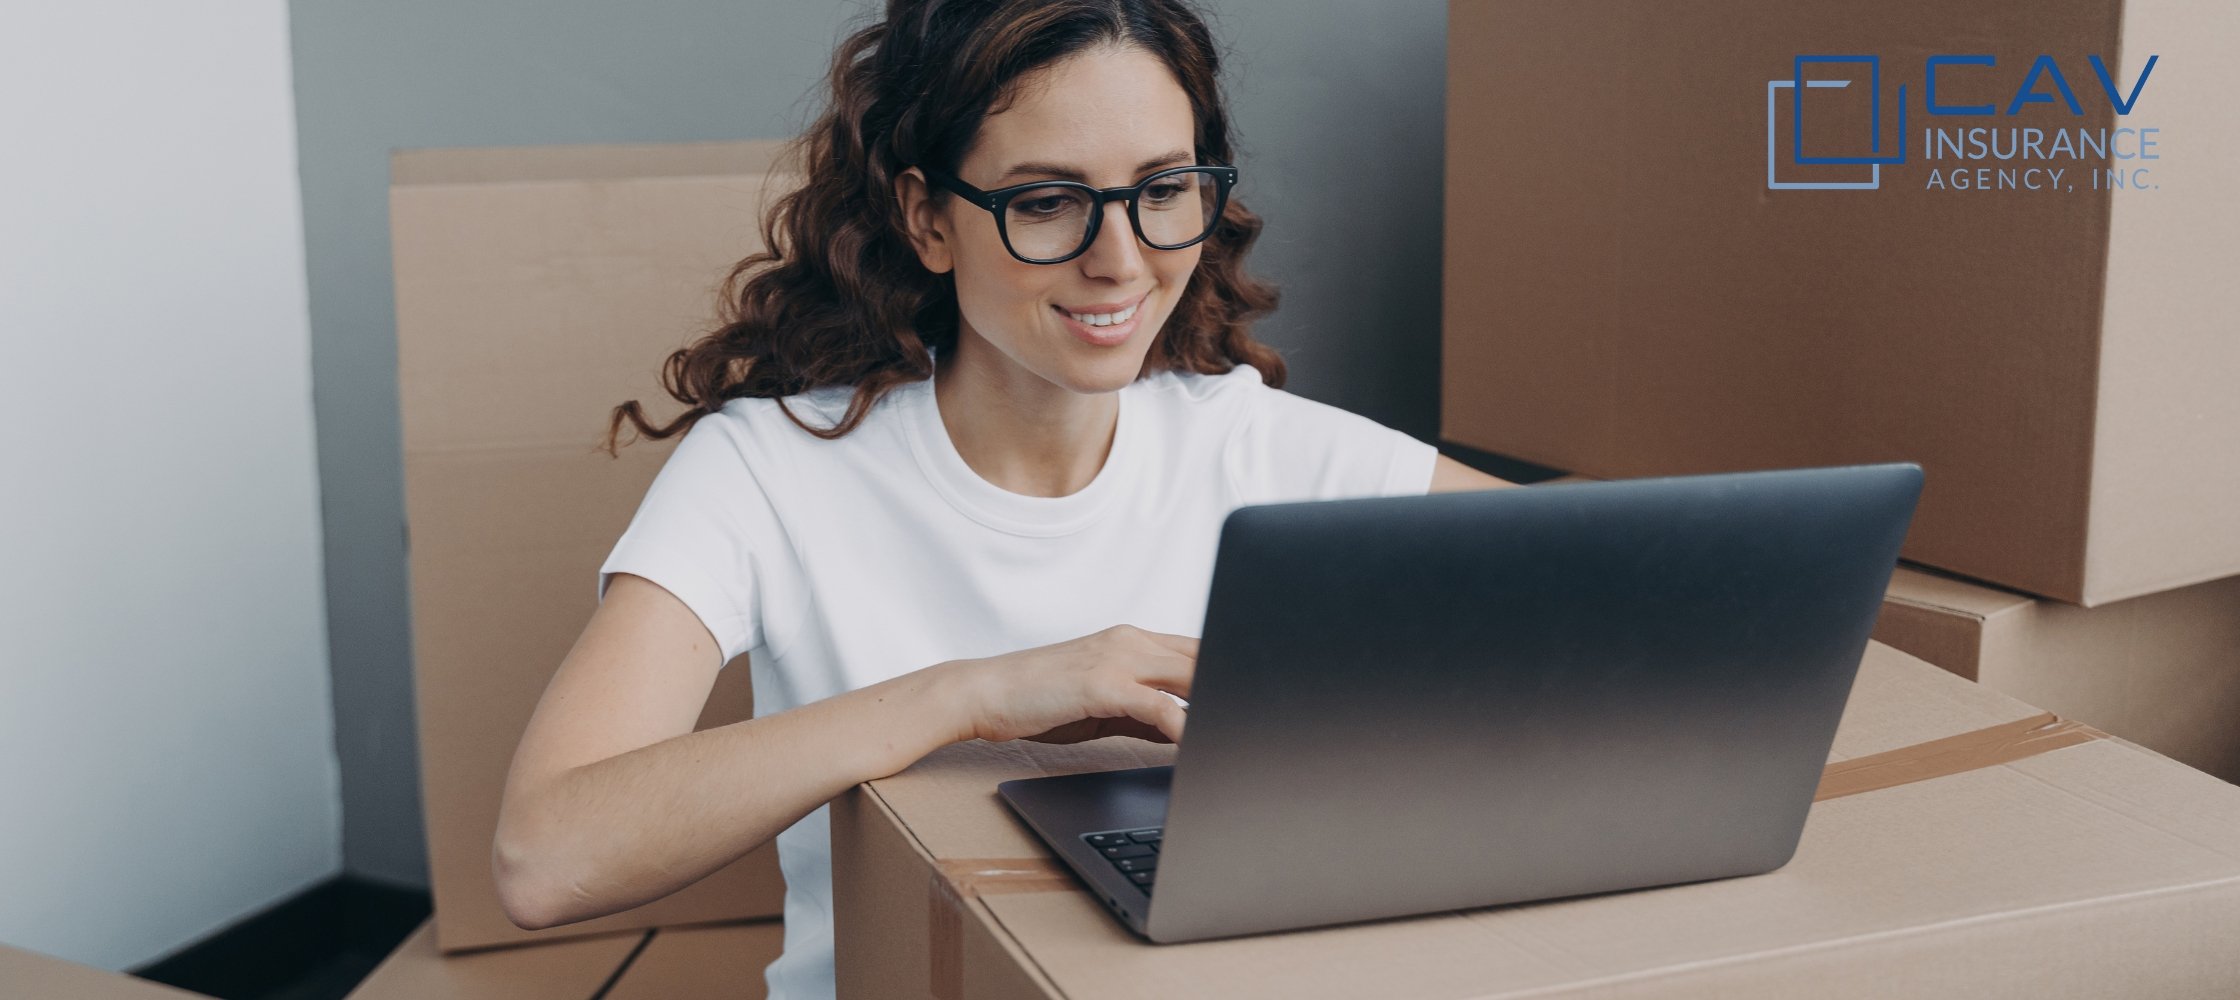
1070	804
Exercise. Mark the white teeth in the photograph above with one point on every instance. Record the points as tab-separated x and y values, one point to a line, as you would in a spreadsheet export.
1106	319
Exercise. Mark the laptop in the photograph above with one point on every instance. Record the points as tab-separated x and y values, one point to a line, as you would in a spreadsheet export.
1406	705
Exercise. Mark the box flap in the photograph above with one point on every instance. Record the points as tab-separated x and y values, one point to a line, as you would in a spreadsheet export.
1927	588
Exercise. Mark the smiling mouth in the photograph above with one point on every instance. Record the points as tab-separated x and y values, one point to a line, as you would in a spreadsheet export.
1107	318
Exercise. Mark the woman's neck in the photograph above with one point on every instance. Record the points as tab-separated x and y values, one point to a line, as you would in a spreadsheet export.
1018	430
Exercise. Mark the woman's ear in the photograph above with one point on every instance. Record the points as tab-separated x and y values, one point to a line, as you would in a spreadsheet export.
923	221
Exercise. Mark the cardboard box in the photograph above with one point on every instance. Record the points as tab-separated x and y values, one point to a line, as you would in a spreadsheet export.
1625	296
718	962
714	962
34	976
2161	670
537	289
1966	845
417	970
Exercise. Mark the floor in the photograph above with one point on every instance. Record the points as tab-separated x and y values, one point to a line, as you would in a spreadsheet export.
316	945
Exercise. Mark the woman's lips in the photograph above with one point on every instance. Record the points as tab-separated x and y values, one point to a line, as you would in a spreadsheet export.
1103	336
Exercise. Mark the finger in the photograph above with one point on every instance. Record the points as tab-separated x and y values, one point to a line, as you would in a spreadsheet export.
1164	673
1150	707
1183	644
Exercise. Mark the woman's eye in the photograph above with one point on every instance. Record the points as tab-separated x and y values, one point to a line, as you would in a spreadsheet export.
1159	193
1043	206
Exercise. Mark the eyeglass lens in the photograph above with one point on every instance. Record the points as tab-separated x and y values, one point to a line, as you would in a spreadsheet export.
1052	222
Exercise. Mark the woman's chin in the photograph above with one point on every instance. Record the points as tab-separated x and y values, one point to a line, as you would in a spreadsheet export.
1104	371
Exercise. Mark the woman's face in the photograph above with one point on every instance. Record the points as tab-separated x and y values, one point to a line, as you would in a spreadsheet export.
1107	117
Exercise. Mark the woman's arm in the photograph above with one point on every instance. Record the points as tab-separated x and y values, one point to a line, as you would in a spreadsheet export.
1448	476
613	801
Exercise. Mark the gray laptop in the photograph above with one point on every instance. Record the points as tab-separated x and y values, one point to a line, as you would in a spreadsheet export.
1412	704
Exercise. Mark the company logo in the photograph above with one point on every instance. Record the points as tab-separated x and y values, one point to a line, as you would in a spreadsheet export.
2000	155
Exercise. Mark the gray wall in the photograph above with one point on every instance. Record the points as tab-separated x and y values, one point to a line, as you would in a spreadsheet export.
1337	105
166	750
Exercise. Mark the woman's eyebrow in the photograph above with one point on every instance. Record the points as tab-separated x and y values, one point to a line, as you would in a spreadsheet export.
1071	174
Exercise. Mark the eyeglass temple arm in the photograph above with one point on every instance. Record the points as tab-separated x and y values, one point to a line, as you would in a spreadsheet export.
960	188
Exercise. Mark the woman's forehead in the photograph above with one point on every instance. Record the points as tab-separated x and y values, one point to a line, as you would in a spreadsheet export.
1103	113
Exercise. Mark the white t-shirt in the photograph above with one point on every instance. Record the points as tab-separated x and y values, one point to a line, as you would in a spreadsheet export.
839	564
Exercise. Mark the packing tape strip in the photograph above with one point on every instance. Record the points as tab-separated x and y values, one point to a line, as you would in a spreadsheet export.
1987	747
957	880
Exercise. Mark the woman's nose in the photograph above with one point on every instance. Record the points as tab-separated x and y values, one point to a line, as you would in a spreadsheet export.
1116	253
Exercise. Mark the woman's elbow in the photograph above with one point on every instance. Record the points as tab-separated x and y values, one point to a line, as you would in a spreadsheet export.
526	898
535	887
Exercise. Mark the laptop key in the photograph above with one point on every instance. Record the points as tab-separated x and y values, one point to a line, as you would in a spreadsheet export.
1143	836
1107	839
1137	864
1128	851
1141	878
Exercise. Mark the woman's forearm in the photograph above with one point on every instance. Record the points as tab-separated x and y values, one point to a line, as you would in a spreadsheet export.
632	828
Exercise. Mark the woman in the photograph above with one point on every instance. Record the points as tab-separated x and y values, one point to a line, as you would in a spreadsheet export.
954	469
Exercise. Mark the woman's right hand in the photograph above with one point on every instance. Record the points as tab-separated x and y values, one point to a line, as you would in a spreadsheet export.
1107	683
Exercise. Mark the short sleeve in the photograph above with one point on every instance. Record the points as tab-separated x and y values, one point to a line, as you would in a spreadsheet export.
1288	447
705	532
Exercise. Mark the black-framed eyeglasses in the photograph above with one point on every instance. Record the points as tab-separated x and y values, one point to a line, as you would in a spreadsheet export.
1051	222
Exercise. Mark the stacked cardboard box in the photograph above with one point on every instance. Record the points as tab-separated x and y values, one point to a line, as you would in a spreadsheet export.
1626	296
1643	279
2162	670
536	289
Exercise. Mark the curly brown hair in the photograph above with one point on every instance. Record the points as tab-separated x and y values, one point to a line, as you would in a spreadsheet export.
839	298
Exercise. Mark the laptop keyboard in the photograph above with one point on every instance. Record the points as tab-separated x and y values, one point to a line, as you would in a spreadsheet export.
1134	853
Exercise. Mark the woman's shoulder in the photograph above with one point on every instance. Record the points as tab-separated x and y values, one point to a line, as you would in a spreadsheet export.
822	408
755	440
754	435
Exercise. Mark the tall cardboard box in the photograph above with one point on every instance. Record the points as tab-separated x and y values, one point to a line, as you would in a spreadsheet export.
1964	845
536	289
2162	670
1627	293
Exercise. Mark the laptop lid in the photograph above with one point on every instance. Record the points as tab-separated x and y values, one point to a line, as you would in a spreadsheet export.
1412	704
